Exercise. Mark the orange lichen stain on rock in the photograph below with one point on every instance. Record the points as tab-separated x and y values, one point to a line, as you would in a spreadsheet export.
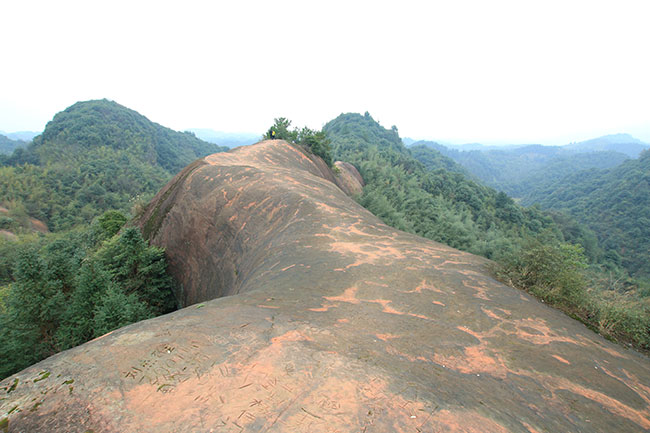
351	230
293	335
343	320
249	205
542	335
493	314
366	252
530	428
271	215
329	209
559	358
323	308
411	358
439	303
534	331
465	422
349	296
640	417
614	352
481	291
423	286
323	235
476	359
632	382
102	336
386	337
288	267
390	310
448	262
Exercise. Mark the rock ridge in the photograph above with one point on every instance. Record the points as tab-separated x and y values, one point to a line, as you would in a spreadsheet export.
323	319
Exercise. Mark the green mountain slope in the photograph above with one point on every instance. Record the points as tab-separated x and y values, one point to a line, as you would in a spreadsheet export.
7	145
615	203
516	171
431	201
433	159
94	156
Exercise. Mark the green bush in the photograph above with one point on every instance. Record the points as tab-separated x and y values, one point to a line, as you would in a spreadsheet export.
315	142
557	274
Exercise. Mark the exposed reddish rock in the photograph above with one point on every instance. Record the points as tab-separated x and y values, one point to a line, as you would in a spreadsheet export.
38	225
224	216
337	323
7	235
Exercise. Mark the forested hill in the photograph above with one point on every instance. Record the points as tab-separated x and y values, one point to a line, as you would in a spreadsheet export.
431	201
615	203
7	145
93	156
434	159
102	124
517	171
622	143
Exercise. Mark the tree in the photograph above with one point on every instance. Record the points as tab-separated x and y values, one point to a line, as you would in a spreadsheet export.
138	269
117	309
281	127
314	141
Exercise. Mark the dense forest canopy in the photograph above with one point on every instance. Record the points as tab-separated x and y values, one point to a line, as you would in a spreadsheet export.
518	170
615	203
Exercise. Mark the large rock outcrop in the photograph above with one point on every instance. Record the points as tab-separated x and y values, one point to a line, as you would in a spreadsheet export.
336	323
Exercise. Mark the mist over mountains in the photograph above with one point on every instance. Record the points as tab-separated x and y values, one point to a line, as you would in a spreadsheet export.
621	143
517	170
227	139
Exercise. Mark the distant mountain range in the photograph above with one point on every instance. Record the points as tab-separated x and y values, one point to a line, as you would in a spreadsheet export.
7	145
20	135
227	139
614	202
517	170
622	143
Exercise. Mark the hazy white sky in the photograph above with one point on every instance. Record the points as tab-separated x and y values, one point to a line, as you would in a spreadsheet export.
461	71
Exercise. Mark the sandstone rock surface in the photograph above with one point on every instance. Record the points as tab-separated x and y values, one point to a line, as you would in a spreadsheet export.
335	323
